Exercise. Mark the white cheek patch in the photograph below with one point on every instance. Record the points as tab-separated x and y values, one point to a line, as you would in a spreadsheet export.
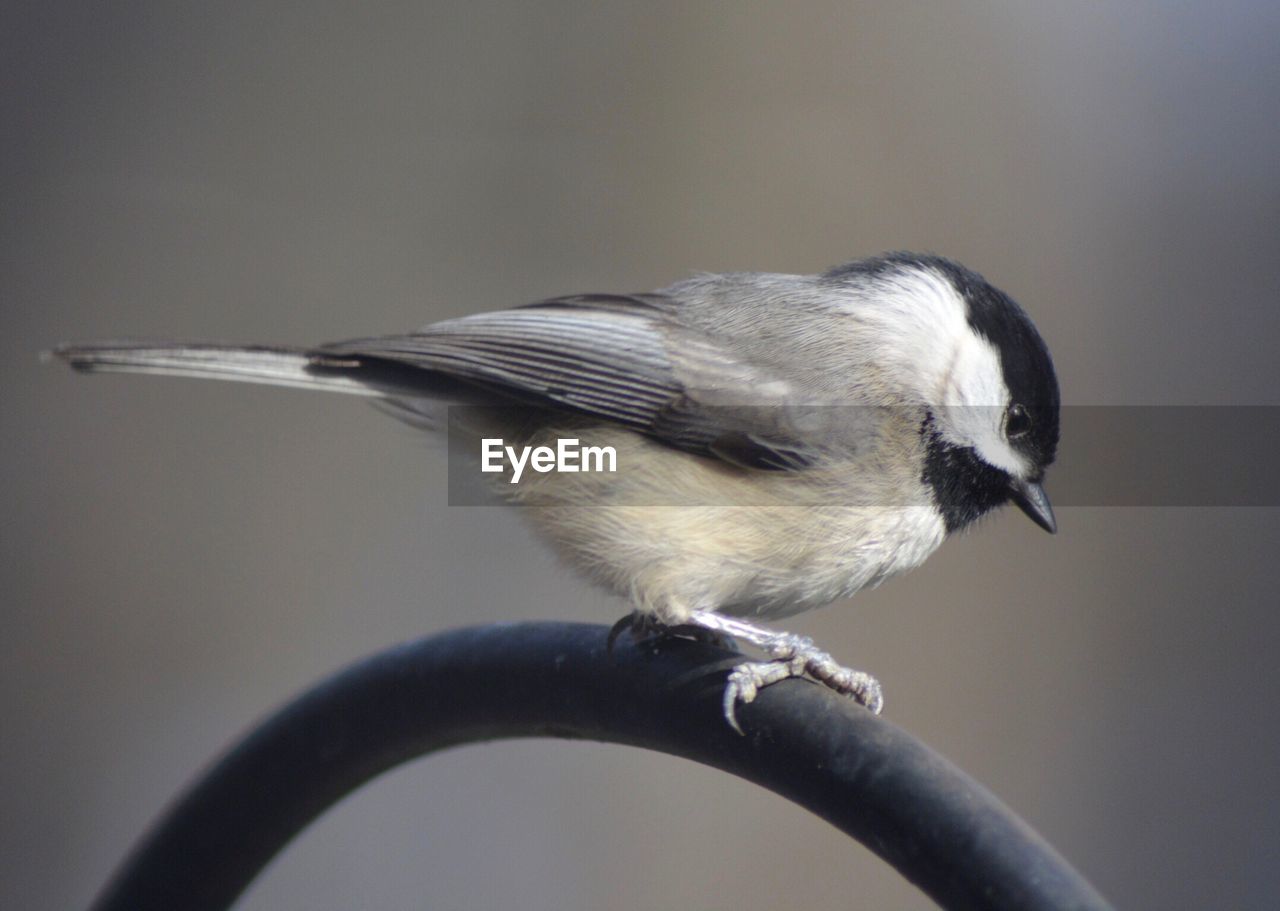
974	402
921	328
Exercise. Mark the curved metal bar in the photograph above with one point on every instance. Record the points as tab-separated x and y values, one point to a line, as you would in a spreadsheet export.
939	828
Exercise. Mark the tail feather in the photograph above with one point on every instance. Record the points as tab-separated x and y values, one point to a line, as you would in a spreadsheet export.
270	365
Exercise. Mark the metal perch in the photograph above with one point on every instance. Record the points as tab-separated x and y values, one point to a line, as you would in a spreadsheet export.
939	828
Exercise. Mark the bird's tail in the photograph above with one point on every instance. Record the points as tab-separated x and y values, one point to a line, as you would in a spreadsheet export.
271	365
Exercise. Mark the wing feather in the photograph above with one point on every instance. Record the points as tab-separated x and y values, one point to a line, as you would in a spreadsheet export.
611	362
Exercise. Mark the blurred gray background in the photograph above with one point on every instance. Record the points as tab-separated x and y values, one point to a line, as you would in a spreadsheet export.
178	558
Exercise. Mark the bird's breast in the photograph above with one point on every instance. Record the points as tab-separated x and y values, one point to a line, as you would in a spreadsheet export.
674	532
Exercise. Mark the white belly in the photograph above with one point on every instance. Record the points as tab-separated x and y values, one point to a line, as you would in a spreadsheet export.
756	559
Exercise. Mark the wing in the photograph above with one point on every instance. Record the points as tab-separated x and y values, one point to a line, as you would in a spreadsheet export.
622	358
606	362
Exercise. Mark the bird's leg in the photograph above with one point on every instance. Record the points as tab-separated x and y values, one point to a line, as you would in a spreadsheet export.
644	625
793	656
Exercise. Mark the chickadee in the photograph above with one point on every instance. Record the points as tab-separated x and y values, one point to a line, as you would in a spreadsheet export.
819	433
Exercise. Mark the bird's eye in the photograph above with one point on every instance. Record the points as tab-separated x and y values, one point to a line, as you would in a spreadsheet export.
1017	422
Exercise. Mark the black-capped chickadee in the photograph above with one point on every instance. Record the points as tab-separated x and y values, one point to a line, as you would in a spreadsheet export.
782	441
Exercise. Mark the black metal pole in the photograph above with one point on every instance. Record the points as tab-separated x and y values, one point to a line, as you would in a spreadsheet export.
940	829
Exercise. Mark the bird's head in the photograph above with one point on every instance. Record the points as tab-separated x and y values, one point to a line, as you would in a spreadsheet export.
973	359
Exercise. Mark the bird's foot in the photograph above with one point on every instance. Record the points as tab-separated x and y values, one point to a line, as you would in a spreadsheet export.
639	624
793	656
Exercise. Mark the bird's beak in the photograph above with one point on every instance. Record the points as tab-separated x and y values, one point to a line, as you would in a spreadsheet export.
1032	500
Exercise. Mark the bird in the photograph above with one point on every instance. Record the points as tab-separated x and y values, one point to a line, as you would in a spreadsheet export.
782	441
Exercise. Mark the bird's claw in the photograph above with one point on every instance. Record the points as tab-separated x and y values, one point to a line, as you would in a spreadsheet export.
795	656
745	682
